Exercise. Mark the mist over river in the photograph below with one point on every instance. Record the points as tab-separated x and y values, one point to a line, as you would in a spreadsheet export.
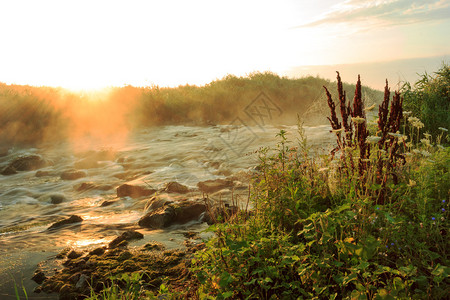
30	201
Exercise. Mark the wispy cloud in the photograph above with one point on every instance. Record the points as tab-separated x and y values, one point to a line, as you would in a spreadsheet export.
384	12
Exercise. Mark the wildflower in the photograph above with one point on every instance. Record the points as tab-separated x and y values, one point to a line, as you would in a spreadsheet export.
442	218
358	120
427	135
409	144
426	153
407	113
443	209
443	201
426	142
370	108
378	208
397	134
392	244
443	129
413	119
433	218
417	151
418	124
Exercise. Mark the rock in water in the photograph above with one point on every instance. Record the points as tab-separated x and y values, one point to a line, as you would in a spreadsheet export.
24	163
57	199
8	170
126	236
133	191
39	276
73	219
160	218
175	187
28	163
73	175
212	186
177	213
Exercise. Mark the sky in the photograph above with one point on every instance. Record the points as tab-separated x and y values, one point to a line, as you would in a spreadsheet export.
94	44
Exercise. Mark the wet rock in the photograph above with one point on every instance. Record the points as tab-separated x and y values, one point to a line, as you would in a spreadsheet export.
72	220
134	191
126	236
107	203
175	187
124	256
154	246
88	186
43	173
158	201
73	175
8	170
63	253
97	251
74	254
212	186
57	199
159	218
28	163
177	213
39	277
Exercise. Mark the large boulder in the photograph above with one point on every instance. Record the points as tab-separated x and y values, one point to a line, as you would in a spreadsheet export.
134	191
175	213
212	186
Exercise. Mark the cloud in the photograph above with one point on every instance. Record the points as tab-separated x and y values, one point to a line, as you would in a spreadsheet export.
384	13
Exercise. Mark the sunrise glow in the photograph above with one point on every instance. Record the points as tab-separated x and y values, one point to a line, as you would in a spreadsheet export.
94	44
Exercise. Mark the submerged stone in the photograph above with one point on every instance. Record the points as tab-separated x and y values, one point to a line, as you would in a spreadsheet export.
72	220
134	191
72	175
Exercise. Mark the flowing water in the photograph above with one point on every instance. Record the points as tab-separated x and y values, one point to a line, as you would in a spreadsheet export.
29	204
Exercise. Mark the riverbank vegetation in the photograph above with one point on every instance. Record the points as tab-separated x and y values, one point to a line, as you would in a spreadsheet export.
31	115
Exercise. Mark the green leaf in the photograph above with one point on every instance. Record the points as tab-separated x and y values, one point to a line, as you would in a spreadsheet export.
227	294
